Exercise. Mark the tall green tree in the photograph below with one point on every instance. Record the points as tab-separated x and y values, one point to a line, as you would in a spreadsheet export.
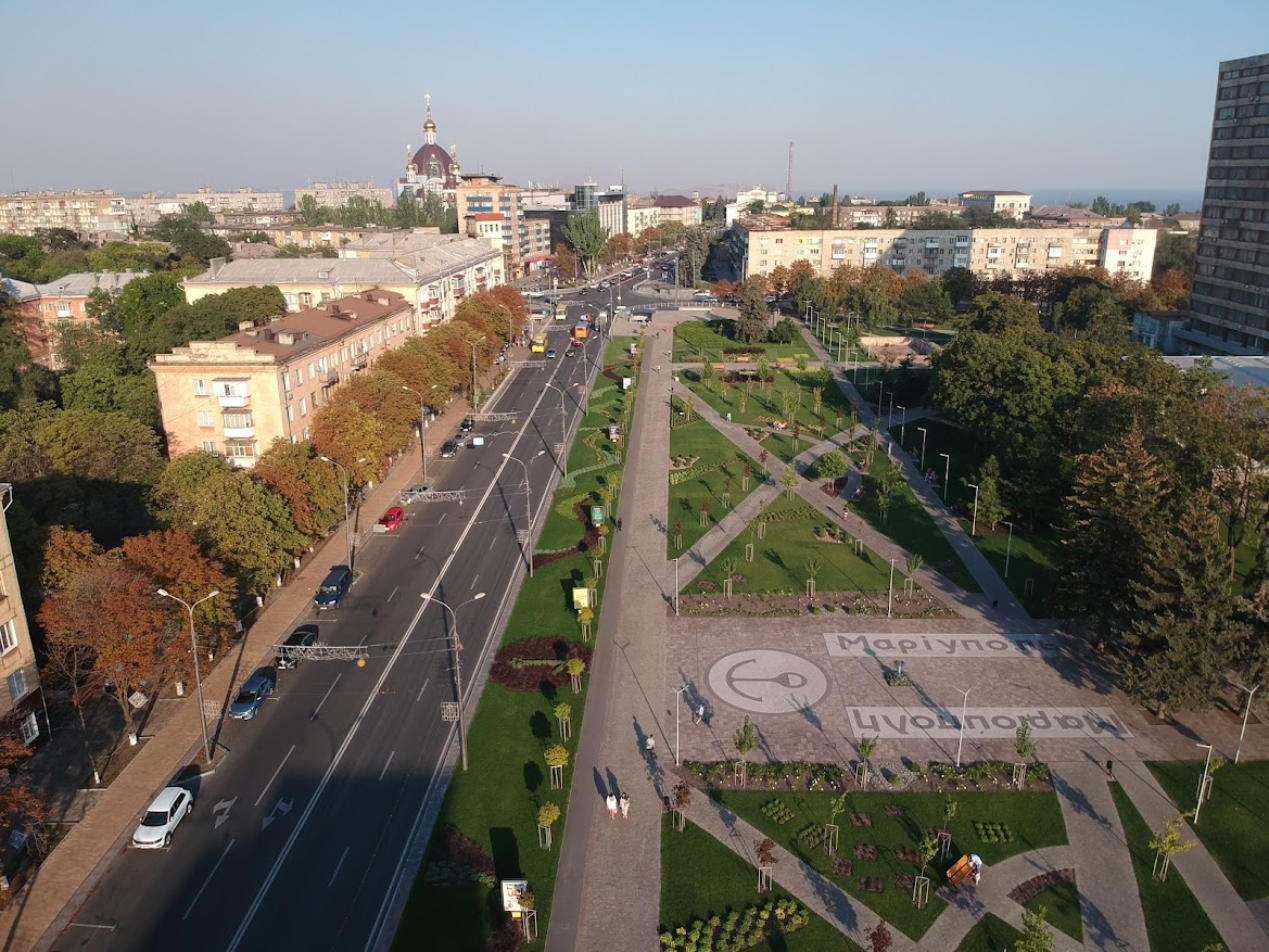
586	236
753	320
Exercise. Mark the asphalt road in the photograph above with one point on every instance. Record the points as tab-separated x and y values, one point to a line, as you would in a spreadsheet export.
297	834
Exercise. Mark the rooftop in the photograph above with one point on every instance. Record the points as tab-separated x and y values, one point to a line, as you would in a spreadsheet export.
673	201
987	192
81	283
1238	371
303	270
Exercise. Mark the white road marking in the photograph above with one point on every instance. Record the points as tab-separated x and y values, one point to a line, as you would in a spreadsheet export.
325	696
394	592
391	753
342	857
221	809
474	579
275	774
421	690
199	894
442	518
93	925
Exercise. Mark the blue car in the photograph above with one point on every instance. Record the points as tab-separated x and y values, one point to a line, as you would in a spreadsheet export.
252	694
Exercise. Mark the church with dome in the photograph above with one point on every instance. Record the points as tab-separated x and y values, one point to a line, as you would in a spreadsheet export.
431	170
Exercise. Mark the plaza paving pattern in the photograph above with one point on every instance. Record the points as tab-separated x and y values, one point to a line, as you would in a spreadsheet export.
814	684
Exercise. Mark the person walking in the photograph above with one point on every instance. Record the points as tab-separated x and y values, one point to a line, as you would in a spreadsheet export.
650	747
625	806
619	523
700	713
612	805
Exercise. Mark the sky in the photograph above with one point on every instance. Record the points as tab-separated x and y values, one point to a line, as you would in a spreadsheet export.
881	99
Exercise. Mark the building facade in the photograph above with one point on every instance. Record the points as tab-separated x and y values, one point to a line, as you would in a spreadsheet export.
678	208
308	237
1229	302
45	307
1014	204
641	214
20	699
759	246
758	193
97	215
526	238
244	199
235	396
335	194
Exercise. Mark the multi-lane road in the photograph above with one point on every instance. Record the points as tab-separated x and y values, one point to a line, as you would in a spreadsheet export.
297	836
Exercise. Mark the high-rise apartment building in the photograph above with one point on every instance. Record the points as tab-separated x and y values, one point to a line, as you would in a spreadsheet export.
334	194
96	215
1229	304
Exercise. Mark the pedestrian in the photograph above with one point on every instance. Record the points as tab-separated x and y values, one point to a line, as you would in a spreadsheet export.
625	806
1110	769
700	713
995	603
650	745
612	805
619	523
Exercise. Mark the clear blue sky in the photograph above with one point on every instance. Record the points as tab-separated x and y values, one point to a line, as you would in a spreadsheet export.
878	97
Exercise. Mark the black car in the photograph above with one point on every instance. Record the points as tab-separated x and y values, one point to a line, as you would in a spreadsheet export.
467	424
303	637
449	449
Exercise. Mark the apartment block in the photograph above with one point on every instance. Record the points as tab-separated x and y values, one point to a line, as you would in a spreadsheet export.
308	237
758	246
678	208
240	200
1003	202
235	396
641	214
1229	303
334	194
526	244
45	307
17	654
98	215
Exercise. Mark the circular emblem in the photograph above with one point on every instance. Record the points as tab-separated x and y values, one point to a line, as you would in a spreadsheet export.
767	682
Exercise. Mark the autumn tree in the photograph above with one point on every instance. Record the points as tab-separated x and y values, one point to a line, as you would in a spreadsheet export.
108	447
311	488
66	553
353	437
565	261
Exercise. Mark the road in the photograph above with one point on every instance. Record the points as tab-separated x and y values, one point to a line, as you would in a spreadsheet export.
298	833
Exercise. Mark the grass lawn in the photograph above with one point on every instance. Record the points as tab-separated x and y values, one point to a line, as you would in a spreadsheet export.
992	934
908	524
1234	823
1061	908
495	802
780	559
1033	819
699	439
942	437
909	386
1174	918
764	404
1033	556
701	877
707	339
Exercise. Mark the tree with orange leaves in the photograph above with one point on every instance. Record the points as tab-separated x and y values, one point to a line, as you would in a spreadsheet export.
65	554
311	488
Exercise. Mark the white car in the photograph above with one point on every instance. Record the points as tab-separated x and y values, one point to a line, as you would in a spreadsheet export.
162	817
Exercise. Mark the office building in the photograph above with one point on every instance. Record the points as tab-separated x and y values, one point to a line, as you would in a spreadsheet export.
1229	303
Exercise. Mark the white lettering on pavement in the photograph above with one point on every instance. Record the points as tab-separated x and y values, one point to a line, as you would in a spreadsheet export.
952	646
905	723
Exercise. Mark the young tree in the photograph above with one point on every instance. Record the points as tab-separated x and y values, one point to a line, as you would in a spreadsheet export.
746	742
789	480
832	465
1037	936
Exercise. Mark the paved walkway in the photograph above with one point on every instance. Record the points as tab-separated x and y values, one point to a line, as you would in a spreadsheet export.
1232	916
55	893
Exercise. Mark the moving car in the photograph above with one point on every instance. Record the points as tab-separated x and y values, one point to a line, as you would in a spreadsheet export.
551	352
332	591
304	636
449	448
162	817
252	694
415	493
467	424
569	351
391	519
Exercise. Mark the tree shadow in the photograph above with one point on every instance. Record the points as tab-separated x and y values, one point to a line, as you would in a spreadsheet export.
506	852
540	726
532	776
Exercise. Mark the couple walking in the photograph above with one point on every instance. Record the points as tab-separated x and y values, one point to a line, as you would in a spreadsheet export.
614	804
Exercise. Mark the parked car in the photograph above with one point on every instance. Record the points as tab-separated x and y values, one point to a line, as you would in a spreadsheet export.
415	493
391	519
332	591
449	449
252	694
305	636
162	817
467	424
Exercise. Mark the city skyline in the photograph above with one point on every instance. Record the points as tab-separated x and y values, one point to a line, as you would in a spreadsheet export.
922	108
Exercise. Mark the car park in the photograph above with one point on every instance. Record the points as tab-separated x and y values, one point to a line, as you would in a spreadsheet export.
162	817
252	694
448	449
333	589
305	636
393	518
415	493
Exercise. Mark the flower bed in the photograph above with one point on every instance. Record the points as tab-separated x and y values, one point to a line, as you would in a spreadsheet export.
590	539
918	604
457	860
803	775
1025	891
528	664
738	930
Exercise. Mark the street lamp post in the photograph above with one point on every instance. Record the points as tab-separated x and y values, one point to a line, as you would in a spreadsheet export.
890	593
890	412
560	391
458	665
678	706
528	514
924	434
676	585
960	737
347	520
475	407
1203	781
947	472
903	423
1008	546
881	386
1251	693
193	646
422	423
973	523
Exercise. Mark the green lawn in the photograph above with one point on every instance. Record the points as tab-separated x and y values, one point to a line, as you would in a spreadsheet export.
1174	918
699	439
701	877
909	387
1033	556
706	340
940	438
1234	823
992	934
1061	908
780	558
758	405
909	525
1034	820
495	802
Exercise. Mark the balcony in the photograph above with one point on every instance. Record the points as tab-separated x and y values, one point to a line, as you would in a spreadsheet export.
231	401
239	432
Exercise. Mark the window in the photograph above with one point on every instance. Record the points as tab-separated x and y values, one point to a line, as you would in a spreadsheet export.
303	407
200	388
290	414
204	418
29	728
237	420
17	686
8	636
240	450
299	376
209	446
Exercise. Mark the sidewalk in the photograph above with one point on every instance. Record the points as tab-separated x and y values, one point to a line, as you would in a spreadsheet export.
54	894
1232	916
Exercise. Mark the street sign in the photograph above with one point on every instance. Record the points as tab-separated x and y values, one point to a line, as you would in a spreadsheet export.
449	711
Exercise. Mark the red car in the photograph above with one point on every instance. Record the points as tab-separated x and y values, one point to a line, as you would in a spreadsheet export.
392	518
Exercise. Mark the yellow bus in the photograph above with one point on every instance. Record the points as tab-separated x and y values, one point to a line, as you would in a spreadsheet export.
538	346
